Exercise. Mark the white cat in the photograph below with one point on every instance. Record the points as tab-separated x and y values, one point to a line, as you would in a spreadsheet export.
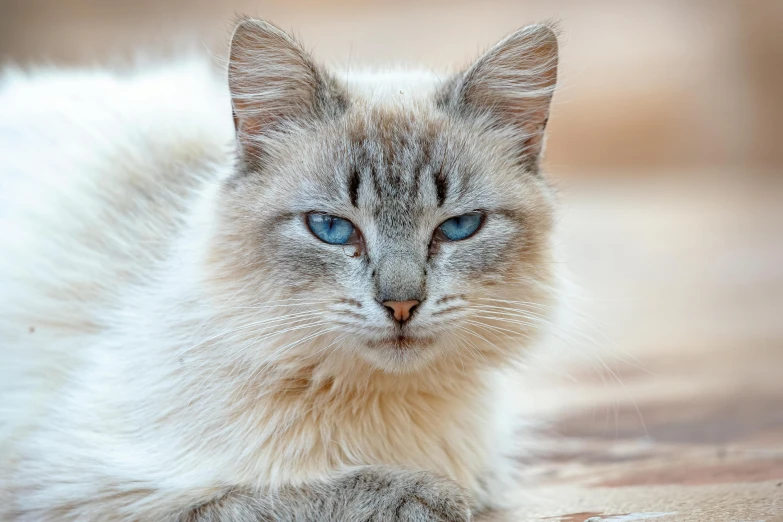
303	314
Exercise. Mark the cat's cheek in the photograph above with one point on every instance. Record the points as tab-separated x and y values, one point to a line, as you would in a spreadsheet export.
321	269
475	259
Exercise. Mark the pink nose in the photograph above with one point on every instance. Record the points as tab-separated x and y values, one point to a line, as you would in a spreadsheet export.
401	309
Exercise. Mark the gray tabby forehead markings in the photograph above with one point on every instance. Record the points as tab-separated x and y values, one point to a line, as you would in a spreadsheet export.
403	159
353	186
441	185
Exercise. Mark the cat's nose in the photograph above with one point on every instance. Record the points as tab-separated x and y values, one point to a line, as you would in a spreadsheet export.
401	310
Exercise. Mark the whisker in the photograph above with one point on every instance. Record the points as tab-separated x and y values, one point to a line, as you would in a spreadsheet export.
449	310
251	325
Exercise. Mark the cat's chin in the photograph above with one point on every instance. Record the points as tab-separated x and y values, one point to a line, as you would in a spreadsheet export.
400	353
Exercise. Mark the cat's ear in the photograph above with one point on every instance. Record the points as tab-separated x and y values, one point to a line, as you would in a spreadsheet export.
273	83
511	86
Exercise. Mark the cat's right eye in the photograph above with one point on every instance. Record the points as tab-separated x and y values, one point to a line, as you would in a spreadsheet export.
331	229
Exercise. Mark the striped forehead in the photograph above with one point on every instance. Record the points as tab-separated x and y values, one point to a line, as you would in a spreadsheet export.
399	163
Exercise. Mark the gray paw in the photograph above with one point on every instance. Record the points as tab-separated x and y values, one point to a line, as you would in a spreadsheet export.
368	494
400	495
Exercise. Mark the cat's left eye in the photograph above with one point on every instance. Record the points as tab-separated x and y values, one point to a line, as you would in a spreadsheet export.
461	227
330	229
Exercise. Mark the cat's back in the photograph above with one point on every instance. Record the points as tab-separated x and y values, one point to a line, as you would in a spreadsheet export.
93	163
97	167
97	172
82	138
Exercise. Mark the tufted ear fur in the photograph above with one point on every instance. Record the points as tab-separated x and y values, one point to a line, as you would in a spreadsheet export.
274	83
513	84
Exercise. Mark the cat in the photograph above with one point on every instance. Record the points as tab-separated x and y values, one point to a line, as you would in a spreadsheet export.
294	299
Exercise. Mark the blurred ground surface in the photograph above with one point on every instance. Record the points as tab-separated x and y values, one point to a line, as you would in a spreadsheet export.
666	138
676	404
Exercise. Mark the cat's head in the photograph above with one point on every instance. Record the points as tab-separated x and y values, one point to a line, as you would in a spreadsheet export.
402	217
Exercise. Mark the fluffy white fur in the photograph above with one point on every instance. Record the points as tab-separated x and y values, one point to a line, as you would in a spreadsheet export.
131	385
88	338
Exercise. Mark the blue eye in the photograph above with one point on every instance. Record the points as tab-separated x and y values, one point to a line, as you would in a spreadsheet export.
330	229
461	227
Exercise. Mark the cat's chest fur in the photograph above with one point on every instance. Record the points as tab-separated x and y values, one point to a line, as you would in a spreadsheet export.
302	427
321	428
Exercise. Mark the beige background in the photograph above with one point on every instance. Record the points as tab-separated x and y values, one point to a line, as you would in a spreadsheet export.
666	393
644	84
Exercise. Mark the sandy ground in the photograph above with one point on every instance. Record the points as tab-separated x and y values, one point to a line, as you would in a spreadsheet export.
665	396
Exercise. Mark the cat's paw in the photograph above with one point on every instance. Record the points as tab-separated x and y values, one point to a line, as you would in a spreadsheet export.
400	495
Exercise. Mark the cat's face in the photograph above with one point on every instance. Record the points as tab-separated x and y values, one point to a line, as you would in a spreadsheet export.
411	224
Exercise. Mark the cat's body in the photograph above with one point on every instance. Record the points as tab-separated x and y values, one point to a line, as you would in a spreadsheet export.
155	359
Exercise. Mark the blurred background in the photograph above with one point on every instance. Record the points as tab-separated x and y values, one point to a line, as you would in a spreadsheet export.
666	141
645	85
